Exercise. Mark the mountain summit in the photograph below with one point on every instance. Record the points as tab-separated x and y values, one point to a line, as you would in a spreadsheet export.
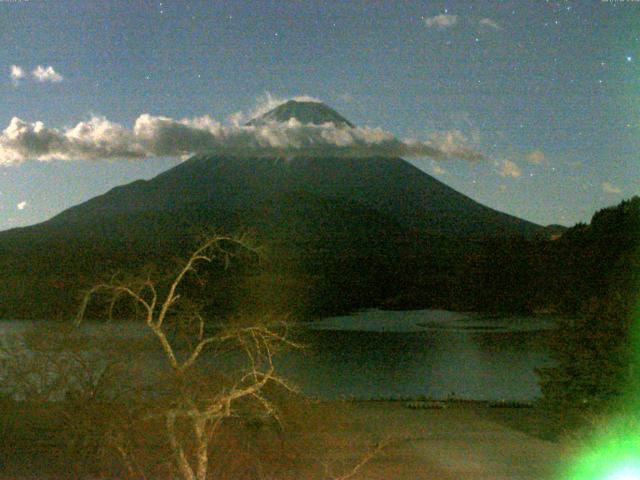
343	233
305	112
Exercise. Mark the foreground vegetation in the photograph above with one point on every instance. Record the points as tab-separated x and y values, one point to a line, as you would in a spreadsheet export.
596	350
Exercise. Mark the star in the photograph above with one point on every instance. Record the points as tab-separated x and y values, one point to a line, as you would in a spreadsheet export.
629	58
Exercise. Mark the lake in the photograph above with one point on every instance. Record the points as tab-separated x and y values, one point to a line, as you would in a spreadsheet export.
409	354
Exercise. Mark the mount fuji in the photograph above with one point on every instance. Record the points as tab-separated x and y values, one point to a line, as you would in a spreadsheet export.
355	224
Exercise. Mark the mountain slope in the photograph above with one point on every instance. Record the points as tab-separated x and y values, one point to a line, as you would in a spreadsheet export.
391	186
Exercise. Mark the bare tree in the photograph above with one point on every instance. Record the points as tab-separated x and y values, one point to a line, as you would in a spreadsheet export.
182	396
190	399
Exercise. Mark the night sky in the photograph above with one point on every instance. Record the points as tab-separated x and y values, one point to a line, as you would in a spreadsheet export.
548	92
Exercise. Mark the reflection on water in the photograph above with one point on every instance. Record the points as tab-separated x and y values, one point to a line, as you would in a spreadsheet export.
422	353
382	354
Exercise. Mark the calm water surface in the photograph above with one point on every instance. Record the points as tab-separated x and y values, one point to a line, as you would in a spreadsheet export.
393	354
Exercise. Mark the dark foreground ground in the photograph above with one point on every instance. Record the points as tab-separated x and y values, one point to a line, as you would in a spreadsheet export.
460	441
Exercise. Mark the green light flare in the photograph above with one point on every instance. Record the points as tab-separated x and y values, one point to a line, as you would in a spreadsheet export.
613	453
614	458
628	472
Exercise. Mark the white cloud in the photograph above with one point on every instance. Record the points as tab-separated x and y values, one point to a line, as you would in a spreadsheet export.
537	157
487	22
22	205
441	21
454	143
609	187
158	136
438	170
48	74
17	73
507	168
98	138
237	118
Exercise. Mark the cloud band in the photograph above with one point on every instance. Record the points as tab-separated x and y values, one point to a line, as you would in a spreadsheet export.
157	136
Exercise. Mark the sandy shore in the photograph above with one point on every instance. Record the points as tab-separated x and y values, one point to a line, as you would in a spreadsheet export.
466	441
